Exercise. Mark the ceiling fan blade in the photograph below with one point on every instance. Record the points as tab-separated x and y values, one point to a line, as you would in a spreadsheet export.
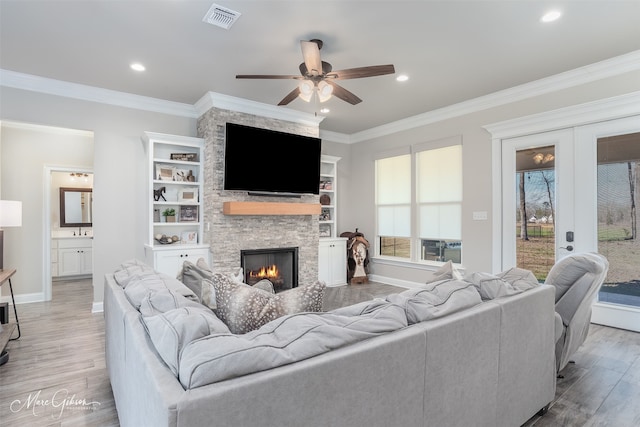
360	72
290	96
266	76
311	55
344	94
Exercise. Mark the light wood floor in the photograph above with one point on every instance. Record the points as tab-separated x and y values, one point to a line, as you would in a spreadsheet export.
56	374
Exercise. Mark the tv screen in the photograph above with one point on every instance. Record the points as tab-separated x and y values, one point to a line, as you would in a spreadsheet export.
270	162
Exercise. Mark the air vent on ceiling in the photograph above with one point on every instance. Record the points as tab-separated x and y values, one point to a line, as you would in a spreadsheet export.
221	16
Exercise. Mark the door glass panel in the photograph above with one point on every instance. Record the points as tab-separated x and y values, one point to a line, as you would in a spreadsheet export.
535	210
618	186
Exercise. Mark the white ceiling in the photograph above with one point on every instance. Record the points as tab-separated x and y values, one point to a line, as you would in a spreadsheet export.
452	50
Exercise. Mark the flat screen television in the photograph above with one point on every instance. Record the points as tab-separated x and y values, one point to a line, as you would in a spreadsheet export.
268	162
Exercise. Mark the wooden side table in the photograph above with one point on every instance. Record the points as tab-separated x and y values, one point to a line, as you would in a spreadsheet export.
7	329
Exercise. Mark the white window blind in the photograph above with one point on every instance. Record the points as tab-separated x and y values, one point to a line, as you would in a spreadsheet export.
393	196
439	192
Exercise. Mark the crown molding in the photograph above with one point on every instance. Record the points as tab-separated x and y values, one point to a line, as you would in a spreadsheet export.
232	103
94	94
608	68
576	115
589	73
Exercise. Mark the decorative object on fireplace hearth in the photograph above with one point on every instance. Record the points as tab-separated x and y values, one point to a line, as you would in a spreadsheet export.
357	257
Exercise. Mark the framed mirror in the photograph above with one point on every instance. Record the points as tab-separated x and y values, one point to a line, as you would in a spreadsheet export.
76	206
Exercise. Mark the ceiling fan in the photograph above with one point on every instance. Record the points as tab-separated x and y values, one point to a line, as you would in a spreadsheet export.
317	76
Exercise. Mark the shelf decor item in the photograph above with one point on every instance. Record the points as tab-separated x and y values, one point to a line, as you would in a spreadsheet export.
164	173
188	195
185	157
169	214
188	213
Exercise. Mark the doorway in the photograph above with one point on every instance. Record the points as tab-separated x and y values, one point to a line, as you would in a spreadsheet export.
590	188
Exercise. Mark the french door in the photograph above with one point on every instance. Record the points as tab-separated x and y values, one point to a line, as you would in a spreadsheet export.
575	190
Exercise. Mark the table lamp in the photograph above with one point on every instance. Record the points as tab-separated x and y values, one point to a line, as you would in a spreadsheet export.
10	216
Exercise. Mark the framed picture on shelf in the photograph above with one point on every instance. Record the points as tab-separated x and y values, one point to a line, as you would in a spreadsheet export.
325	231
188	213
188	195
164	173
189	237
156	215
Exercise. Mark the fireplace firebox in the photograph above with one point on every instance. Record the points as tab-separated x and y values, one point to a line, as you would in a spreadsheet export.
278	265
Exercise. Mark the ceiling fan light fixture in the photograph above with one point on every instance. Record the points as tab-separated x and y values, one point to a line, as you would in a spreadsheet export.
324	91
306	90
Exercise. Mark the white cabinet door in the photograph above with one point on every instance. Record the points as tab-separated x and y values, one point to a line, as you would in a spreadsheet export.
332	261
170	262
86	260
69	261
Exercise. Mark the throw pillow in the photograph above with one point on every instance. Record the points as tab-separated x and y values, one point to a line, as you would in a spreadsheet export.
194	276
244	308
446	272
265	285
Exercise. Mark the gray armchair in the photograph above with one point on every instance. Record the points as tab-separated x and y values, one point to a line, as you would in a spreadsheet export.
577	279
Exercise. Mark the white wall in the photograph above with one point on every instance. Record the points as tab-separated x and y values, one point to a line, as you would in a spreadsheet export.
358	209
118	164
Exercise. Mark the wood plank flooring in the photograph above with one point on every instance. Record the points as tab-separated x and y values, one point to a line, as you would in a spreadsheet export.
56	374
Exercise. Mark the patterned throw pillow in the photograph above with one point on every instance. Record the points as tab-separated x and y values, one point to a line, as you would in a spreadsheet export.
244	308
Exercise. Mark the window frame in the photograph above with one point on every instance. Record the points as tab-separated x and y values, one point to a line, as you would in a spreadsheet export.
415	256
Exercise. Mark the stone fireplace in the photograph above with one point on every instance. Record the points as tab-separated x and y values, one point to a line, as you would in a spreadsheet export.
228	235
277	265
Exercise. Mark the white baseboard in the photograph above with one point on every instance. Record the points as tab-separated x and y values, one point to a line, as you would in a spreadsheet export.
395	282
616	316
97	307
24	298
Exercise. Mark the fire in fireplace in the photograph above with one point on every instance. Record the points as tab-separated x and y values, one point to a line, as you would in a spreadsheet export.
278	265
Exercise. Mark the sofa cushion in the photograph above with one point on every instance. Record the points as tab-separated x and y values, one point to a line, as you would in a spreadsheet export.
244	308
509	282
197	277
171	331
163	300
130	271
437	299
283	341
137	289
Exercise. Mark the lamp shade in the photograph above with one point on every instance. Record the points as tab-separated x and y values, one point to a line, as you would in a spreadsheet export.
10	213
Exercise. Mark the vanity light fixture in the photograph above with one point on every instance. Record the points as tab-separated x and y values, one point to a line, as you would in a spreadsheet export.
75	175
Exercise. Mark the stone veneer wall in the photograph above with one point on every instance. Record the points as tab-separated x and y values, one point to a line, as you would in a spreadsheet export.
228	234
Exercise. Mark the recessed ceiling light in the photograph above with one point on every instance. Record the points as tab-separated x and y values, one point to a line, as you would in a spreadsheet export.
402	78
551	16
325	110
137	66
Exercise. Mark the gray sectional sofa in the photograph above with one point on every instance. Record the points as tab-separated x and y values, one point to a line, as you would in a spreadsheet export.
433	357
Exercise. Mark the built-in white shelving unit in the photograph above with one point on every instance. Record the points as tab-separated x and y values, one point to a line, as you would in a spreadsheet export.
175	178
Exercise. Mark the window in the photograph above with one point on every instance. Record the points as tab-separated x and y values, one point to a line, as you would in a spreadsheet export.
393	205
420	219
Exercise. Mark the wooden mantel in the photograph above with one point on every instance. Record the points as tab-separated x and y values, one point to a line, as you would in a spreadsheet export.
270	208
